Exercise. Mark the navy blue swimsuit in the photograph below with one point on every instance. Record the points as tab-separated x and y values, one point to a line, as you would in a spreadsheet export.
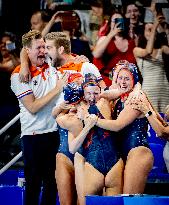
64	147
99	148
133	135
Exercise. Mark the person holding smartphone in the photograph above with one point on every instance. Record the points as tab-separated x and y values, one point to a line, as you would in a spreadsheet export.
8	51
116	45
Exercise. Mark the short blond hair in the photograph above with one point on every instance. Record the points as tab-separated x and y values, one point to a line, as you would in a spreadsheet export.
27	38
60	39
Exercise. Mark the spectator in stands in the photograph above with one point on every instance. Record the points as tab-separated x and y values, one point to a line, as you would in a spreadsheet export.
133	14
38	128
9	59
9	52
39	19
150	59
95	20
114	46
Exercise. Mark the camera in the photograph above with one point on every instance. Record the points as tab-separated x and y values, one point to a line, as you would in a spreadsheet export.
10	46
120	23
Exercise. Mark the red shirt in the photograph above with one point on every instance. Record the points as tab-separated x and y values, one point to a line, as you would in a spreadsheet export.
111	57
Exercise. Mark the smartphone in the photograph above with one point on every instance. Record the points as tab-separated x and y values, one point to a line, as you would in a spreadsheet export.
10	46
120	23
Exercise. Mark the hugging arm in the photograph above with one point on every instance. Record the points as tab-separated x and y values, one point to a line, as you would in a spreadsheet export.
24	74
126	117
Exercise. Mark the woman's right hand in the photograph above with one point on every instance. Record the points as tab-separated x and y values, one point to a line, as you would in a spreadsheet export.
114	30
66	106
24	75
90	120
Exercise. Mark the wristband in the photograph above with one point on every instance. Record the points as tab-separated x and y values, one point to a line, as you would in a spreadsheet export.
148	113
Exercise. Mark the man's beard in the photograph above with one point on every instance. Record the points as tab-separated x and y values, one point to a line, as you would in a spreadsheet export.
56	63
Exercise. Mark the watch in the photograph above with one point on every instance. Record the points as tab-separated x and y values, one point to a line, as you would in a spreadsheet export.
148	113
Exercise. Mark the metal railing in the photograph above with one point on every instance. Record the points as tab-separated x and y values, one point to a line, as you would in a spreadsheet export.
18	156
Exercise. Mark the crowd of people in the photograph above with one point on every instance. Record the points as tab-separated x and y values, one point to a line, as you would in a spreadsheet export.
87	88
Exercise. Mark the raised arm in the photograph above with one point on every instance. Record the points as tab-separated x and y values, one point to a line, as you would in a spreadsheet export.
112	94
103	43
24	73
63	107
55	18
150	43
142	52
165	49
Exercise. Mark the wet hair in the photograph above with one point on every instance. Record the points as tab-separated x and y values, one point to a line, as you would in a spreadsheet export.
130	67
27	38
73	76
90	80
73	93
60	39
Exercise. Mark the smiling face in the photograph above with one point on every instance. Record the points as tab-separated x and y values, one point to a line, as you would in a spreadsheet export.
132	12
91	94
125	80
3	49
98	11
36	52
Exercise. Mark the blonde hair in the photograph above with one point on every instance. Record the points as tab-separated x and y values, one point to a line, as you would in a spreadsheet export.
60	39
27	38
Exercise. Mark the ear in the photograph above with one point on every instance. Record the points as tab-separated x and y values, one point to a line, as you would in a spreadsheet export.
61	50
27	50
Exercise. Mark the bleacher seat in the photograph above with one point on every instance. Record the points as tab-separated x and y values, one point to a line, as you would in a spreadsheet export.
159	164
159	171
11	195
127	200
8	187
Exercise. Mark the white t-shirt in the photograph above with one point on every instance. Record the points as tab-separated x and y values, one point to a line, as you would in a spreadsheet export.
83	68
41	83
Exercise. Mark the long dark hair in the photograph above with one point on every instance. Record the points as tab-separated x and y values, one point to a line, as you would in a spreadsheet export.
123	33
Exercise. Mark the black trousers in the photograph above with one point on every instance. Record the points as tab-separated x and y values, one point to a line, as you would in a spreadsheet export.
39	153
